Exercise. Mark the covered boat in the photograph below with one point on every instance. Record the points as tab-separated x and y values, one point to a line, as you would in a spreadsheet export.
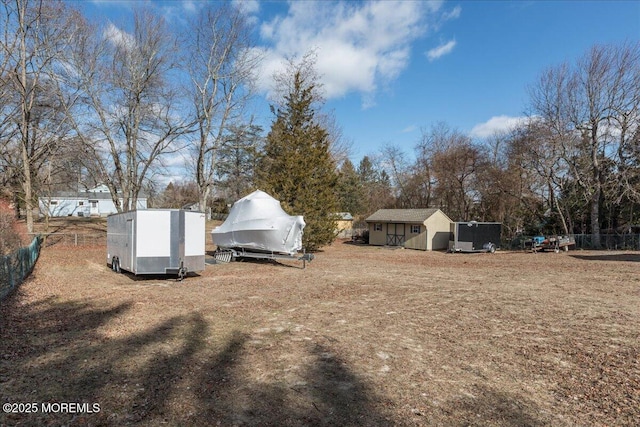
257	222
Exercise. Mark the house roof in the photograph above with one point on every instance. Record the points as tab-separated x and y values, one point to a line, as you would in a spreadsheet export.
86	196
91	195
402	215
99	192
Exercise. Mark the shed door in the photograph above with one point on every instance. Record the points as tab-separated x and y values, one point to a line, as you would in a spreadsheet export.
395	234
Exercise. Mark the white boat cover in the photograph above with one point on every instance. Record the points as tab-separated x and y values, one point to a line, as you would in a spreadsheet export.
258	222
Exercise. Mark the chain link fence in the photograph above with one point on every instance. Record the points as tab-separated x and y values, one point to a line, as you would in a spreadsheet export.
15	267
74	239
612	242
628	242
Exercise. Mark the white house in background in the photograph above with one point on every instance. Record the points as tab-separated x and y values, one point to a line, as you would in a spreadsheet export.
94	202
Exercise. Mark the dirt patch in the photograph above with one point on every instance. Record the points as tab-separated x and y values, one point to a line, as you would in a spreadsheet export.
362	336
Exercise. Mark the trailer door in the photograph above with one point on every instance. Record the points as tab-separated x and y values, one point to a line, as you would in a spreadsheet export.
128	256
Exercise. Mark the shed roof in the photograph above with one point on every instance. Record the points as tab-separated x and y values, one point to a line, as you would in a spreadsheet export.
402	215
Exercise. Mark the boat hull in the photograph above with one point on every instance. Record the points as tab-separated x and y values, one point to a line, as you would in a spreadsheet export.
282	235
258	223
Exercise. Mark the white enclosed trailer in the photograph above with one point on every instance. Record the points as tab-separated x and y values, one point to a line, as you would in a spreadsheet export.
156	241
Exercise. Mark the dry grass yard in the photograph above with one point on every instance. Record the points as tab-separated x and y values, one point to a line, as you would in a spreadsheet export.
363	336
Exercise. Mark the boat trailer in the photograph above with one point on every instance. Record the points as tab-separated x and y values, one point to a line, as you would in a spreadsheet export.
225	255
551	243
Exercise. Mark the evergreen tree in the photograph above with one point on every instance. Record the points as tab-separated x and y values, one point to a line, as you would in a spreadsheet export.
366	171
350	190
297	167
237	158
376	187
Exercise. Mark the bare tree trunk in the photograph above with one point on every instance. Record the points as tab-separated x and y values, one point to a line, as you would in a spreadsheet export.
597	190
562	218
24	125
221	69
28	193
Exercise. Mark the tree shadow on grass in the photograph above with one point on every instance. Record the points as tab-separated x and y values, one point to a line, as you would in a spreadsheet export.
626	257
490	407
330	394
169	277
170	373
341	397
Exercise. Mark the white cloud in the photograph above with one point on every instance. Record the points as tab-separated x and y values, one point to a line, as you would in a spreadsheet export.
189	6
496	125
110	2
359	46
409	129
454	14
119	37
248	7
441	50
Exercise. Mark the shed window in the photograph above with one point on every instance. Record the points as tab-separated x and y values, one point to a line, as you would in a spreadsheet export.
415	229
80	203
377	227
53	202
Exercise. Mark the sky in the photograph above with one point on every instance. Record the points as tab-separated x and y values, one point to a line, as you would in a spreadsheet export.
391	70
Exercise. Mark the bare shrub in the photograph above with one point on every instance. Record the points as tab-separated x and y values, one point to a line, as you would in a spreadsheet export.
9	237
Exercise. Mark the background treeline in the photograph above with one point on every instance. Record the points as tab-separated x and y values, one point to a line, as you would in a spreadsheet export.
86	103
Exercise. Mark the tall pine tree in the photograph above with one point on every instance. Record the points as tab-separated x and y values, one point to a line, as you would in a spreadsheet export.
297	167
351	193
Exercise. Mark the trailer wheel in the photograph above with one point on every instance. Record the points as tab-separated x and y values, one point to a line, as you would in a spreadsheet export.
492	249
557	250
566	248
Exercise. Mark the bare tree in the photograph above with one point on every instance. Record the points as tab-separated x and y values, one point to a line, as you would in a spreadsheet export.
393	159
626	122
422	179
523	179
9	108
339	146
127	113
591	109
178	195
220	65
34	32
455	160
